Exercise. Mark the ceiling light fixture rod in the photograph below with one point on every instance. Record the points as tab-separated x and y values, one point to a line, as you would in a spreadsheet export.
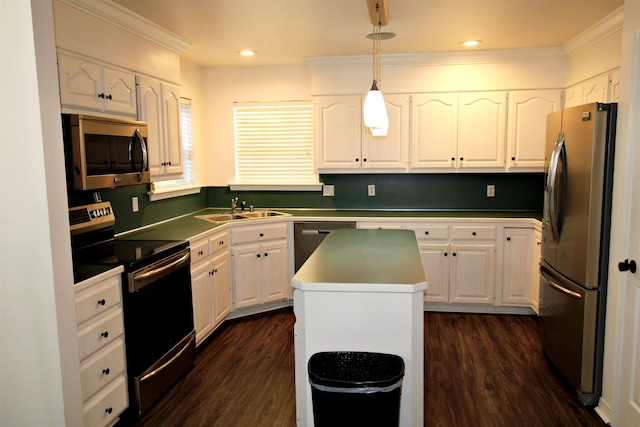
382	17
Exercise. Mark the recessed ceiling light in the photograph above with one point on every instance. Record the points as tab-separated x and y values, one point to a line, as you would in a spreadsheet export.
471	43
247	52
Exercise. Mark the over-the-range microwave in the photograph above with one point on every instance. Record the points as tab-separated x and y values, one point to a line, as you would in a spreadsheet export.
105	152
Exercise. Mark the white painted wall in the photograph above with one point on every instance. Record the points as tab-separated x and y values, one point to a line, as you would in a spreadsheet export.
223	87
37	312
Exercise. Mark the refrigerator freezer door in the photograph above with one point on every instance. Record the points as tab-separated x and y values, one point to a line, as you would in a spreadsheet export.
567	327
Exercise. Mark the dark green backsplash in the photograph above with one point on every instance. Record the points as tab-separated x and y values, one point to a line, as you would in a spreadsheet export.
514	192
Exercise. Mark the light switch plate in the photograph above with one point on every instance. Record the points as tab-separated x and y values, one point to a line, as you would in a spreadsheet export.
491	190
327	190
134	204
371	190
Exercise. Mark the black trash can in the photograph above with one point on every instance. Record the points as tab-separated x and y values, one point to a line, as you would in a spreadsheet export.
355	388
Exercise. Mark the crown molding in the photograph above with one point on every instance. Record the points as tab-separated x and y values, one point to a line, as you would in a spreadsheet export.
601	29
438	58
121	17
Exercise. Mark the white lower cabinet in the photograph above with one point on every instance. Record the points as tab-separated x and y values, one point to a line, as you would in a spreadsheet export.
518	246
210	283
259	256
535	271
473	274
101	349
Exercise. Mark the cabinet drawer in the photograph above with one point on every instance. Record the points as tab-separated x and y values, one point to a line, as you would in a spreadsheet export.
98	299
379	225
100	333
430	231
199	250
257	233
218	242
98	371
104	407
473	233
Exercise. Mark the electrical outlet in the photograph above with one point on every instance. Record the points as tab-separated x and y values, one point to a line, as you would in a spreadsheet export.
134	204
491	190
327	190
371	190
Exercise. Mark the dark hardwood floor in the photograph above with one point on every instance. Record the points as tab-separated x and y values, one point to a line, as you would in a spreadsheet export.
480	370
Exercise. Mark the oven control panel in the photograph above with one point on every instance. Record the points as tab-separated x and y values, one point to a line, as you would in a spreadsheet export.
91	217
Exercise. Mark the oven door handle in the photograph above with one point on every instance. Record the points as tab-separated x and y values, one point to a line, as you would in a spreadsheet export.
165	365
143	278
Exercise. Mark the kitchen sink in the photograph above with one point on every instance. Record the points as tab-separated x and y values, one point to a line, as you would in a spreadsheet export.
260	214
219	217
225	217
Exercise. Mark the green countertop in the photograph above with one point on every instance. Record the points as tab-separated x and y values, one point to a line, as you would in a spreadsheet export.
188	226
364	261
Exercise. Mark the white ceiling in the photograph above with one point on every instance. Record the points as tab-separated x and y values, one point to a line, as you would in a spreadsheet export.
286	31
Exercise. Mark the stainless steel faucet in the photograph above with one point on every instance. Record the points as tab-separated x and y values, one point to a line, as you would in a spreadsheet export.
234	203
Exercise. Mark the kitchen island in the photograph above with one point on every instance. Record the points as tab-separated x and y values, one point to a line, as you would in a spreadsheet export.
362	290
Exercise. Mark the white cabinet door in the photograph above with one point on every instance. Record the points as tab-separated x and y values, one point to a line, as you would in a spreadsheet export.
90	86
275	284
518	248
339	132
535	271
596	89
159	106
434	131
201	294
435	259
172	138
246	275
473	273
573	96
528	112
119	91
150	111
482	130
389	152
221	287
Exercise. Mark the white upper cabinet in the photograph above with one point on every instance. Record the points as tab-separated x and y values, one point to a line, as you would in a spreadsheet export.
434	131
343	144
526	128
601	88
453	131
338	132
90	86
482	129
159	106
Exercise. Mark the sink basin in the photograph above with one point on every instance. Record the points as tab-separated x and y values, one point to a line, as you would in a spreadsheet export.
219	217
224	217
260	214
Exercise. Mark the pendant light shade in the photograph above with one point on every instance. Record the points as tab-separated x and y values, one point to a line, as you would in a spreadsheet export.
375	111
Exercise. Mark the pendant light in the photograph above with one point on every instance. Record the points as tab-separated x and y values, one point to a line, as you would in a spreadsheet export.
375	111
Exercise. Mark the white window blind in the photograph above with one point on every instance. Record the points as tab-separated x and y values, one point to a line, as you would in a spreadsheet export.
274	143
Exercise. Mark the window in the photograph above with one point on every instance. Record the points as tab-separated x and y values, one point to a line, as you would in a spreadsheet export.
274	143
185	185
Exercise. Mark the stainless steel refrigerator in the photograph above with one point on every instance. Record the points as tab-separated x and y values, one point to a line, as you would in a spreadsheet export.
575	243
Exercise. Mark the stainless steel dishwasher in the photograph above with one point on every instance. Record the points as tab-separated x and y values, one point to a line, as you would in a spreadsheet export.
307	236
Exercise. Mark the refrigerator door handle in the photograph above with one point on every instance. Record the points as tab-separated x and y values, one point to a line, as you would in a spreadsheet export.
551	190
559	287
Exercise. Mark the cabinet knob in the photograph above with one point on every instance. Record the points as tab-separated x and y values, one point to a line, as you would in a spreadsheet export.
453	159
266	254
101	95
426	232
258	255
221	242
108	410
508	239
473	233
106	371
461	158
109	97
364	160
357	159
454	254
105	334
102	302
261	234
513	158
446	254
